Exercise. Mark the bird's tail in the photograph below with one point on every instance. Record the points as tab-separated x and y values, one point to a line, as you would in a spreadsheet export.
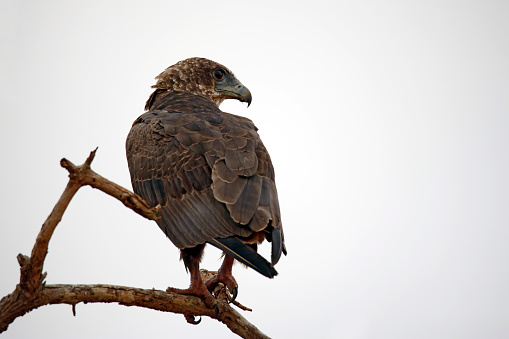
244	254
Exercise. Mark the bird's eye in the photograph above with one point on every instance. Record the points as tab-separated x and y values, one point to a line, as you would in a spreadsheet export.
219	74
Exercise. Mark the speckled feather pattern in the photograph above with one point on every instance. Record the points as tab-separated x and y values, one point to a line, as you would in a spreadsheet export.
191	76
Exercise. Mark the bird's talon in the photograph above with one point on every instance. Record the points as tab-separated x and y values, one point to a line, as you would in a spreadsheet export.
234	293
191	320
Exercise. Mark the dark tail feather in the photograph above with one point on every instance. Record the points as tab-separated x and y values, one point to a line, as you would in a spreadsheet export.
244	254
277	245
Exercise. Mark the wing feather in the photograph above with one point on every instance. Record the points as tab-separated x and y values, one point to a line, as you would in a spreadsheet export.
227	192
247	203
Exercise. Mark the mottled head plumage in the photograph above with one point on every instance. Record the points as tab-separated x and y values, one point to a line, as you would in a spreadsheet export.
197	76
189	75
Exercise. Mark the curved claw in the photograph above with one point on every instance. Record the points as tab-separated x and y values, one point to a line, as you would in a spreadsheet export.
190	319
234	293
216	308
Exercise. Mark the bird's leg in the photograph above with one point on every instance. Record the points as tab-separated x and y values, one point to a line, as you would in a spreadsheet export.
191	258
224	275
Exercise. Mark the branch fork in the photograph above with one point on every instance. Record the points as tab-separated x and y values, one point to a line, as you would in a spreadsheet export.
32	292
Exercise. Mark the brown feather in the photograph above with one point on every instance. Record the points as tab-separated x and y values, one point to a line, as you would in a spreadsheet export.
225	192
243	209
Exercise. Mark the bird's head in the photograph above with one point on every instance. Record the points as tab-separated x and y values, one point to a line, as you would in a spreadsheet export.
203	77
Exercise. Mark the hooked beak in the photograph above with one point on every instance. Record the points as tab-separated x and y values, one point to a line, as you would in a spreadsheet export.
235	90
245	95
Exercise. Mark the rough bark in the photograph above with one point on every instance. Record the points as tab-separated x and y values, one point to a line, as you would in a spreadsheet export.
32	292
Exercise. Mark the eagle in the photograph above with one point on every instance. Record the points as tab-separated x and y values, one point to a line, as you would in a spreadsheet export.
208	170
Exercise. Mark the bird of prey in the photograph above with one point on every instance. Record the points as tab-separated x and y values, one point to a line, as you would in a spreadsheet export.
208	170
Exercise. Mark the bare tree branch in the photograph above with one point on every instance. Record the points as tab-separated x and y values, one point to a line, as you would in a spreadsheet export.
84	175
32	292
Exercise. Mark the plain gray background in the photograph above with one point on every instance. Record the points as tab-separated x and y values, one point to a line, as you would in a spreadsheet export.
388	126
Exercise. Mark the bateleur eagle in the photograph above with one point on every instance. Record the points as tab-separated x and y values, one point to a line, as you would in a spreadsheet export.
209	171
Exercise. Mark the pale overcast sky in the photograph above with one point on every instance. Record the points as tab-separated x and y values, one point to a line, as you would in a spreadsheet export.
387	122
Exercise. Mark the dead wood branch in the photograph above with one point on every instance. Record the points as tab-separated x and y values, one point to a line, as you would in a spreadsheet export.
32	292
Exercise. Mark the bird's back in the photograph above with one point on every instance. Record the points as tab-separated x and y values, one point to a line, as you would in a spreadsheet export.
207	169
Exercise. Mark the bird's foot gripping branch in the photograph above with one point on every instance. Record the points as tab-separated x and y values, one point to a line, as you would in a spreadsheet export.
32	292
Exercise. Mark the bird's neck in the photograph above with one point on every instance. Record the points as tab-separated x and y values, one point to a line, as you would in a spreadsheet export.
162	99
